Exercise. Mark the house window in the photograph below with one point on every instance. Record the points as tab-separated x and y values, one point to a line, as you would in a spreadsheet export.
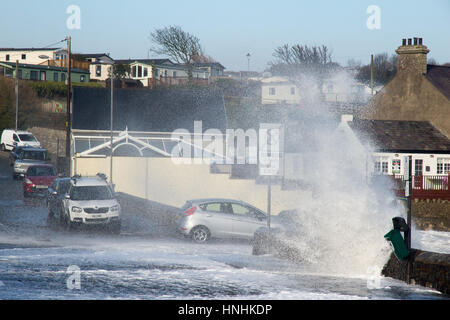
133	72
396	166
292	91
174	74
139	72
20	74
98	71
418	167
34	75
443	166
7	57
145	72
63	77
43	76
165	73
55	76
156	73
24	56
381	166
271	91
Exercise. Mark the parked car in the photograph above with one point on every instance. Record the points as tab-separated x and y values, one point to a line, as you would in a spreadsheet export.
12	138
90	201
28	156
203	219
55	196
14	155
37	179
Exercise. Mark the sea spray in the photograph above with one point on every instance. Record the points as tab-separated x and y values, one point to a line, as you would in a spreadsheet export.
345	216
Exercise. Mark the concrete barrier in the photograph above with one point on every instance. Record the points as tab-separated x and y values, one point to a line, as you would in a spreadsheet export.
427	269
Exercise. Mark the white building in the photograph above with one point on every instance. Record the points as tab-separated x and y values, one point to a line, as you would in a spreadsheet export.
340	88
32	55
162	70
100	65
279	90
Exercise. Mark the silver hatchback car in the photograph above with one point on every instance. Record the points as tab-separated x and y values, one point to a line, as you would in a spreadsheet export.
220	218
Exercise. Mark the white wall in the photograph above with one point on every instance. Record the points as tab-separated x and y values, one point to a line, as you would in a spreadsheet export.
159	179
282	93
429	160
104	71
32	57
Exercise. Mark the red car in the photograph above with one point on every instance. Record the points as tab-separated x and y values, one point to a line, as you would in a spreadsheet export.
37	179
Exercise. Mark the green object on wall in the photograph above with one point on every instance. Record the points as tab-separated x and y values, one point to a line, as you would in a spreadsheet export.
400	249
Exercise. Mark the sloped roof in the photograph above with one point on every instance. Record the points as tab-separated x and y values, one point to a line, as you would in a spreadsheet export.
148	110
29	49
439	76
401	136
12	65
146	61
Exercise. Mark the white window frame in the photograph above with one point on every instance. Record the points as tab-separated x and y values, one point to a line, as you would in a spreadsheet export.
381	165
443	166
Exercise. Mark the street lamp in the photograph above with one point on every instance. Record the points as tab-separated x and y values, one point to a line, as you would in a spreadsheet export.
248	61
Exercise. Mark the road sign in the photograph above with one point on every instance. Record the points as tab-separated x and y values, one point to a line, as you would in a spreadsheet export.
270	149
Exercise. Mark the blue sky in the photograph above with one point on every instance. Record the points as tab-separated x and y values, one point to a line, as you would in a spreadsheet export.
230	29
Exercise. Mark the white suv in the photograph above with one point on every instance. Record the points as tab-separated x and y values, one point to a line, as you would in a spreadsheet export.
90	201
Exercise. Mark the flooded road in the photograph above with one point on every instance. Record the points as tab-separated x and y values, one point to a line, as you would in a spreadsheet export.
151	261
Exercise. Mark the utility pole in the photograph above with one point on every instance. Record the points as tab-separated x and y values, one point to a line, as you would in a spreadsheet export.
371	73
68	124
408	220
111	124
17	91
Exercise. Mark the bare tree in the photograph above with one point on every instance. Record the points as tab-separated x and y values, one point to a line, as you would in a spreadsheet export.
296	59
179	45
384	69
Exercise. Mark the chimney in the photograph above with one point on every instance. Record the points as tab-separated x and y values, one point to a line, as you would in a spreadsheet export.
412	57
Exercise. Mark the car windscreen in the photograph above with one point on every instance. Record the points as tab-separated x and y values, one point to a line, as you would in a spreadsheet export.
27	137
41	171
91	193
33	155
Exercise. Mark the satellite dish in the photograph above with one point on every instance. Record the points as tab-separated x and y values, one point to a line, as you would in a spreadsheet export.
43	56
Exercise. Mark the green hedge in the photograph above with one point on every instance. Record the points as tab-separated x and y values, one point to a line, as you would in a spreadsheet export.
51	89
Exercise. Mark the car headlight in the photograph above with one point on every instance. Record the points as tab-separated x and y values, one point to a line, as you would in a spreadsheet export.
114	208
77	209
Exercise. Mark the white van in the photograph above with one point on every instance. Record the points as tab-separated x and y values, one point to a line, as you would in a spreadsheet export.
12	138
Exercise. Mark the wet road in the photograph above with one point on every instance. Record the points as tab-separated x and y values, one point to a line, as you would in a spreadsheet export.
151	261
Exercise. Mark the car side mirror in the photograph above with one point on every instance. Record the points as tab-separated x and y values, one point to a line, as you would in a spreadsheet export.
67	196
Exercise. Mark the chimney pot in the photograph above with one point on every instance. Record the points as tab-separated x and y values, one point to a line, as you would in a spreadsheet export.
404	42
420	41
415	41
409	41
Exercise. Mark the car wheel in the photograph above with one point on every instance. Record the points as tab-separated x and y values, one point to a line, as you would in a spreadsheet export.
66	224
200	234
